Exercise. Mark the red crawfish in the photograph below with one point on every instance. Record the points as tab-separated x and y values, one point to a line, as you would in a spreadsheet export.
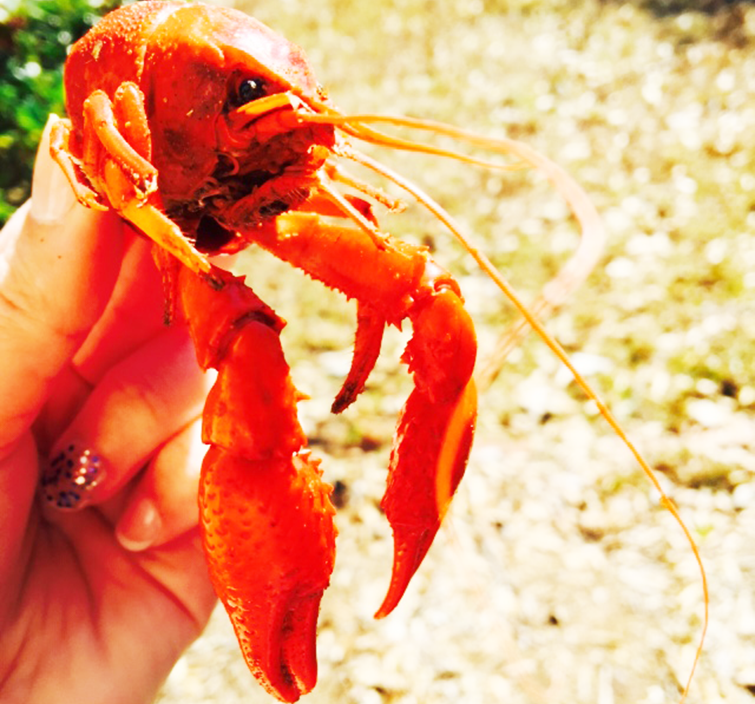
208	132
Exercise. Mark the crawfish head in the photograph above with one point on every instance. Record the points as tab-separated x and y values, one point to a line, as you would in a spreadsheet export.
215	80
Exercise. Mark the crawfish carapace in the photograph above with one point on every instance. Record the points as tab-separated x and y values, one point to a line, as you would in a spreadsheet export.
193	123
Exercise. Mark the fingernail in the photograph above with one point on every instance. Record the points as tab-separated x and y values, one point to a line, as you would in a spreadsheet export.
51	195
140	526
70	477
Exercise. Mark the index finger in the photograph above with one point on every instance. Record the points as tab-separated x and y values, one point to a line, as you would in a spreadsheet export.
58	265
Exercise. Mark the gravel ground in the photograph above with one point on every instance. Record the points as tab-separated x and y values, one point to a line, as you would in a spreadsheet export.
559	577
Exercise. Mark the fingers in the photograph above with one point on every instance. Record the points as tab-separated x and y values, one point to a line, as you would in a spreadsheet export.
58	264
138	405
163	504
134	314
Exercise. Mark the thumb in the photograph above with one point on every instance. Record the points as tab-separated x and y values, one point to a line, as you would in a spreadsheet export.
58	265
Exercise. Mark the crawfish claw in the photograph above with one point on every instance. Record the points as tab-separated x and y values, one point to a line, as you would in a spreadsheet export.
270	540
427	464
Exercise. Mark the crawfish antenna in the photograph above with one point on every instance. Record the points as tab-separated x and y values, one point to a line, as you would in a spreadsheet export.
554	293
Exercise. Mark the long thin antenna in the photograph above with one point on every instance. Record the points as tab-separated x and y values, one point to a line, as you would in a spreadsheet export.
487	266
570	276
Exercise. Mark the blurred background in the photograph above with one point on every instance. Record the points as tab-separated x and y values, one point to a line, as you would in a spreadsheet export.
558	577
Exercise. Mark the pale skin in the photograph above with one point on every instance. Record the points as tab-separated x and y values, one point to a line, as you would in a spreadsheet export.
96	603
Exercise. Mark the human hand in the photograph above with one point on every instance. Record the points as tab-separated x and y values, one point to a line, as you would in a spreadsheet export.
97	600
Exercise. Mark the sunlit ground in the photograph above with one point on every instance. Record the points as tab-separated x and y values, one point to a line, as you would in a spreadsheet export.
559	578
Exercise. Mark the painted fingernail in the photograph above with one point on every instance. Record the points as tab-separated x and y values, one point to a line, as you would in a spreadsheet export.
70	477
51	195
140	526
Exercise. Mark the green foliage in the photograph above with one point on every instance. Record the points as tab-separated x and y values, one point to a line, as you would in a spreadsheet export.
34	37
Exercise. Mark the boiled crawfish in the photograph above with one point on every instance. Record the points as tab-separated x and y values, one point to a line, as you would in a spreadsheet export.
208	132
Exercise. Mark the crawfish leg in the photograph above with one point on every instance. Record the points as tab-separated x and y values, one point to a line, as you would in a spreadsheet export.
369	336
434	435
102	133
60	150
109	164
267	520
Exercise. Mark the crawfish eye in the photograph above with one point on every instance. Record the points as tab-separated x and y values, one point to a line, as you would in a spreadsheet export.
251	89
